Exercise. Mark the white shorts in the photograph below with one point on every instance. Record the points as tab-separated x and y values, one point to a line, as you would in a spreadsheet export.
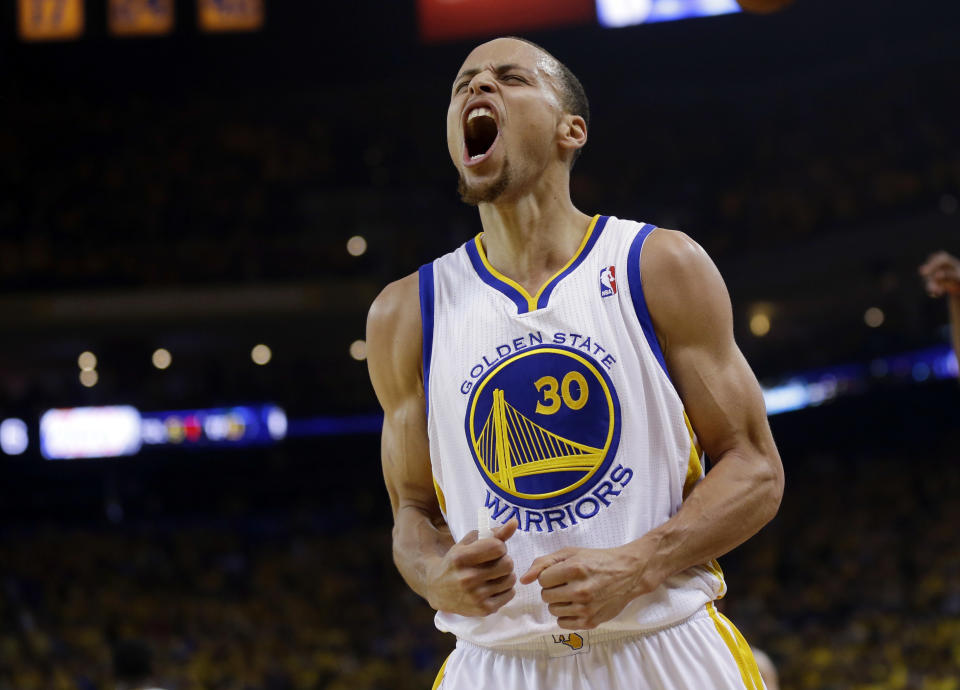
704	652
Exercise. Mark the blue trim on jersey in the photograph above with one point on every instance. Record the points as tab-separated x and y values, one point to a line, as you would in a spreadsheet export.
636	294
594	236
426	321
491	280
524	302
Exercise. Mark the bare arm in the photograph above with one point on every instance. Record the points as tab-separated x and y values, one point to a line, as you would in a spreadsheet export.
471	577
941	275
691	312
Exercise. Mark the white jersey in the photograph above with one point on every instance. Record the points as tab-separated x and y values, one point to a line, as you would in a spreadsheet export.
557	410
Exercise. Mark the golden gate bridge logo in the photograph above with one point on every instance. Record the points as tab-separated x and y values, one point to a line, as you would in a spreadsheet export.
543	424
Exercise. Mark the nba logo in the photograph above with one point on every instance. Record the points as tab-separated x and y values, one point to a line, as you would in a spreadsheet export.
608	282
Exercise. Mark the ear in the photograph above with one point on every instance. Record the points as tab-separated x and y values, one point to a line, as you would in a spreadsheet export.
571	132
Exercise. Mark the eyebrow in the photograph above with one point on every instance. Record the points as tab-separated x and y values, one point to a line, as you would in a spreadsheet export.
499	69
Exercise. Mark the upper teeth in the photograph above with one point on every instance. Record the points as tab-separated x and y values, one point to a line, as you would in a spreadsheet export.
477	112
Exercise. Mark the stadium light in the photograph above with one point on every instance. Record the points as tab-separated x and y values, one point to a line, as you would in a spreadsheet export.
356	245
358	350
87	361
161	358
261	354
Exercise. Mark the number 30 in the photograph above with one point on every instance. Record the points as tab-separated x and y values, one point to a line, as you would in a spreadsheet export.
551	401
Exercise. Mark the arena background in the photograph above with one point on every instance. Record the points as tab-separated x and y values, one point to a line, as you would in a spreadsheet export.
196	191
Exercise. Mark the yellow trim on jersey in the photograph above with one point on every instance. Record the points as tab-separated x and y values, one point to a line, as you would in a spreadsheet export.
532	300
440	497
694	466
439	678
715	570
747	665
694	474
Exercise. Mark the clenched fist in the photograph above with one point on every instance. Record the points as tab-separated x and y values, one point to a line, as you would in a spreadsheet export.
475	577
941	275
585	587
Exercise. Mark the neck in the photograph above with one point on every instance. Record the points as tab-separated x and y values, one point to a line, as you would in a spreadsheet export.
532	236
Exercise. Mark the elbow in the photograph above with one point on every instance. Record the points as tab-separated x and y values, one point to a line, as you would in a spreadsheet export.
771	485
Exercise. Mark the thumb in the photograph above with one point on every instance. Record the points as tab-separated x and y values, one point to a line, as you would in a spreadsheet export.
508	530
469	537
542	563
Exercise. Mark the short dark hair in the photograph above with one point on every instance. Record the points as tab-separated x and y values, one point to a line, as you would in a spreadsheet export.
572	95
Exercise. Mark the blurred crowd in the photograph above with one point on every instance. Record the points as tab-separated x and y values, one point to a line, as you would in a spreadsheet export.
855	586
271	606
268	186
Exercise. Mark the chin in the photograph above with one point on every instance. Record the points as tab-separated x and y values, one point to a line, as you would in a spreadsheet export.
485	192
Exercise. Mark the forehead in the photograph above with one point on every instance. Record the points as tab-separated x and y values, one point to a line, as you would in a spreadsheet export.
507	50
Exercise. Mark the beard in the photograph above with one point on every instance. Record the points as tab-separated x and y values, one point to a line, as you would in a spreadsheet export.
473	196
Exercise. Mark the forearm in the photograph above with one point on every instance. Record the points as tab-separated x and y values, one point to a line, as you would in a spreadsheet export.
419	541
733	502
955	323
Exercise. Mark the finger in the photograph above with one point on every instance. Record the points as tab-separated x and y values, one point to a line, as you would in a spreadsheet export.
562	573
575	623
542	563
567	610
508	530
498	586
478	553
564	593
494	603
495	569
936	261
469	537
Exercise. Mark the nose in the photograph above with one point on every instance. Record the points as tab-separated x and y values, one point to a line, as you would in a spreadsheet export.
482	82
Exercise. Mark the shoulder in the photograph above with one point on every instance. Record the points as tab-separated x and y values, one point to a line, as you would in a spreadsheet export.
394	338
682	286
397	307
673	253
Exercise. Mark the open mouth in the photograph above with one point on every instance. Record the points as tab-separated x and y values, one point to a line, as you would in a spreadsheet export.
479	133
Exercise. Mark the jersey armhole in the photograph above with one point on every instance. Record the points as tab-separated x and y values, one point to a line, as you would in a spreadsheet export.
637	296
426	322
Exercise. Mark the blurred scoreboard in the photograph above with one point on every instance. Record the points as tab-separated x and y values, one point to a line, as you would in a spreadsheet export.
230	15
61	20
443	20
123	430
452	19
50	20
140	17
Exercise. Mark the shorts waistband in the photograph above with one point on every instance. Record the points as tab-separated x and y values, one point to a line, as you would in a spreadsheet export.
542	644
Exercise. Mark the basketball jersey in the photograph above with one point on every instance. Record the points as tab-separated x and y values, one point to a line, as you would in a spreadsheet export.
557	410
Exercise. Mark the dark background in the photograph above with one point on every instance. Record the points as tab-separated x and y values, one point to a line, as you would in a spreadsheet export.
196	192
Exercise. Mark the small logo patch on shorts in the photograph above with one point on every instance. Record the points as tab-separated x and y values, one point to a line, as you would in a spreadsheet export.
565	645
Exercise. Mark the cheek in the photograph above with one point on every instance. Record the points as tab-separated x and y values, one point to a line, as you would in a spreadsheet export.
453	136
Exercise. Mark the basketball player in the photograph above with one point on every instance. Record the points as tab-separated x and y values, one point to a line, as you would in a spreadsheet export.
559	374
941	276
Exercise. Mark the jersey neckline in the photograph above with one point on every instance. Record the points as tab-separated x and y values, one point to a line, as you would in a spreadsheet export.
524	301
